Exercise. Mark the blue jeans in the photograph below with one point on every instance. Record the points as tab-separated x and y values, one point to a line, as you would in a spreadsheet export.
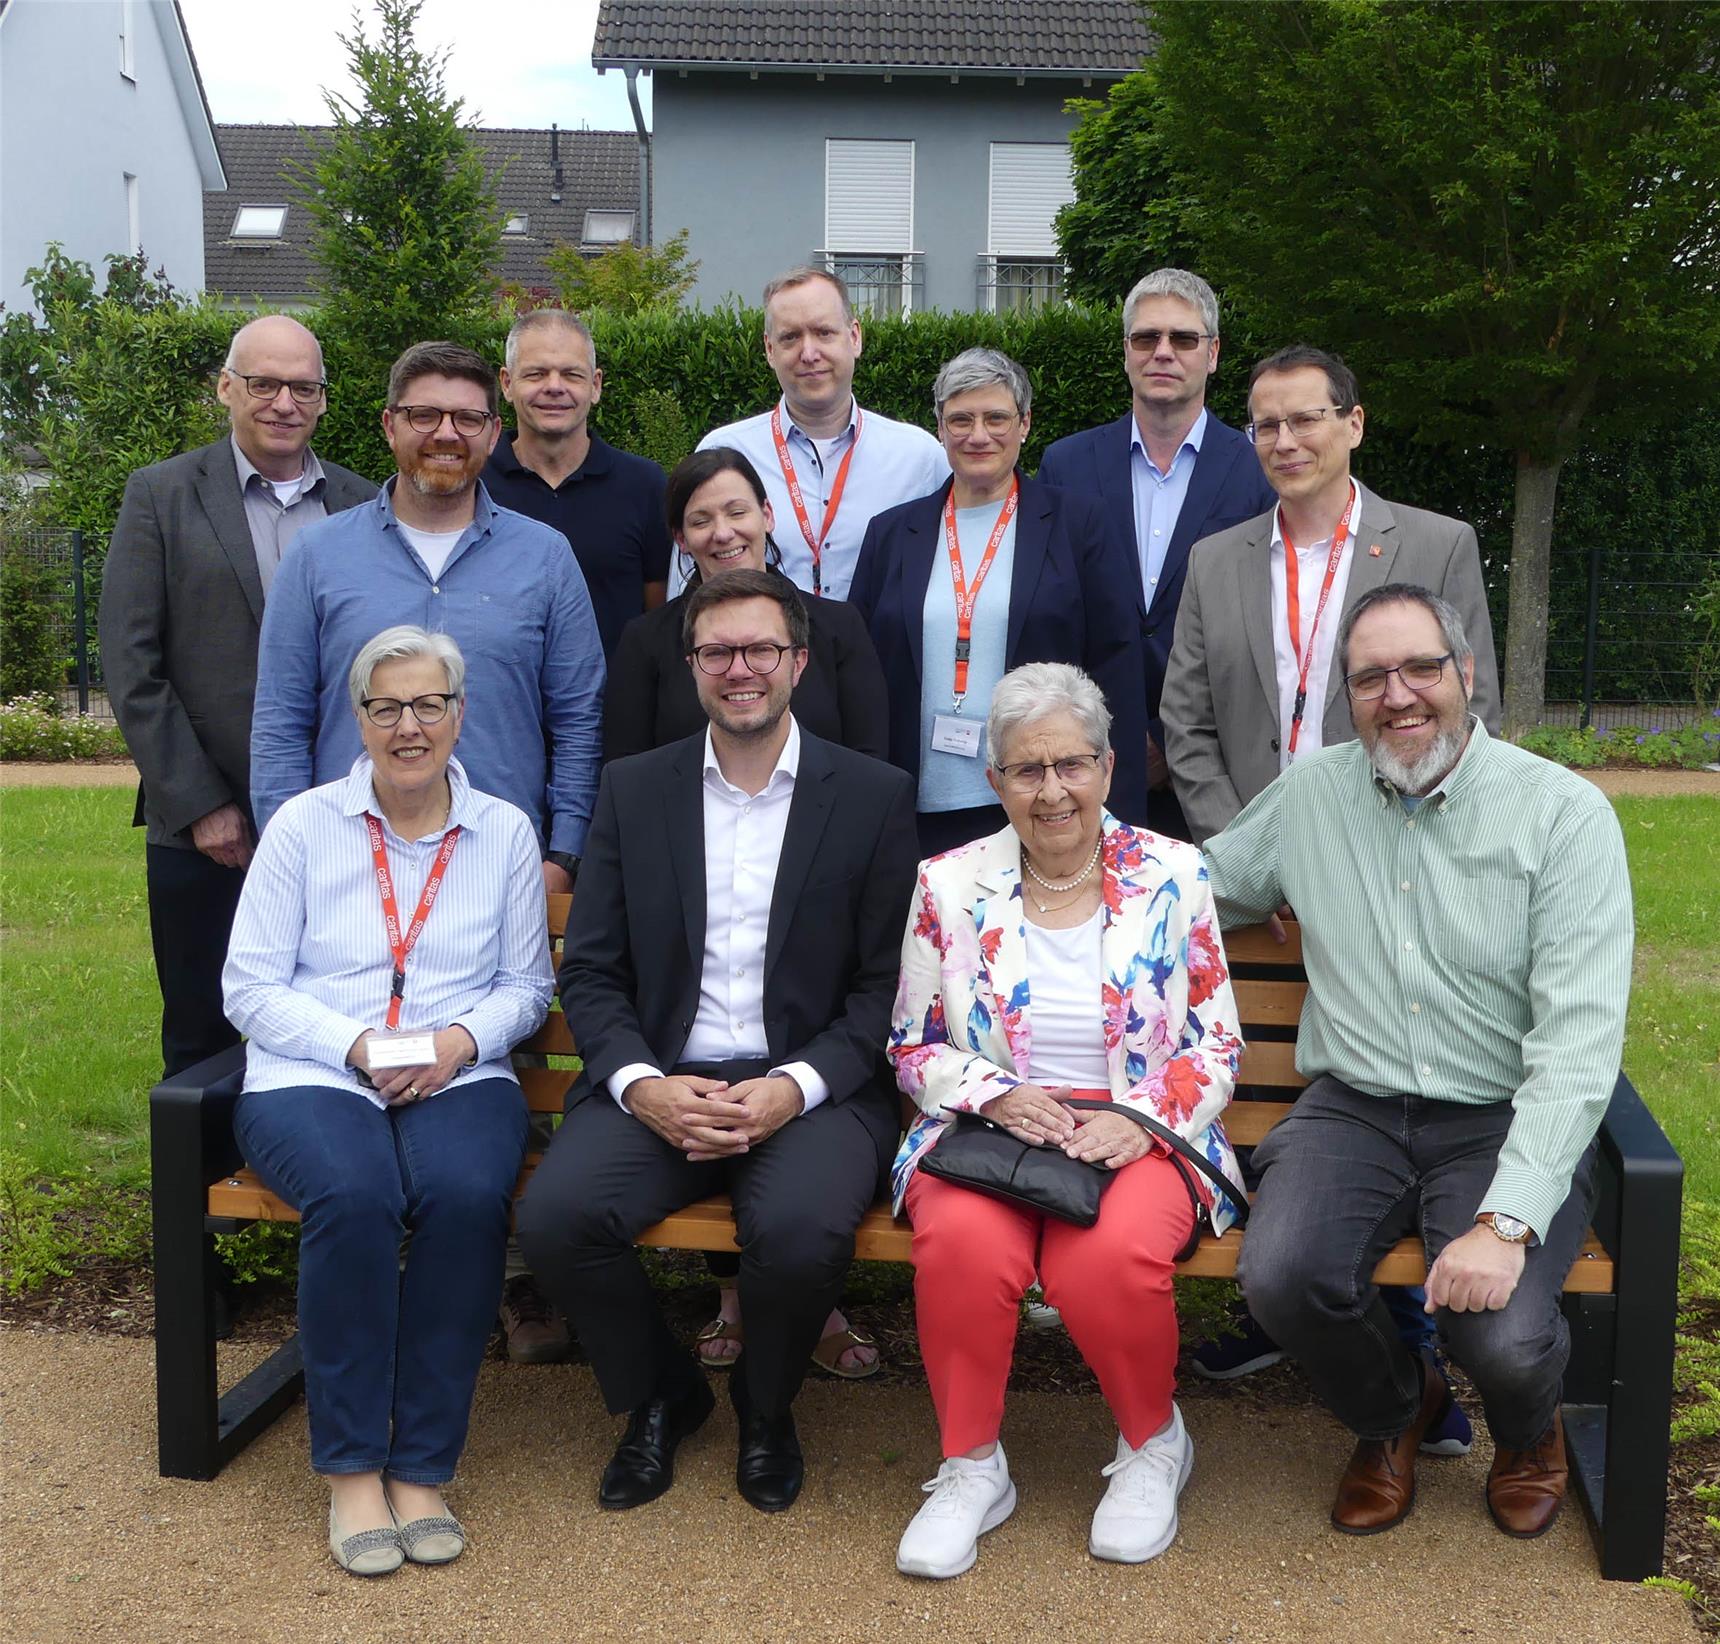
391	1353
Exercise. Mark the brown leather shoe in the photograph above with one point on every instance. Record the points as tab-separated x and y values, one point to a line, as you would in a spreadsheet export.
1526	1488
1378	1487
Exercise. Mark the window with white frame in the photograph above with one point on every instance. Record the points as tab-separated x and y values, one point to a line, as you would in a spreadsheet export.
1022	268
607	227
869	221
518	223
259	222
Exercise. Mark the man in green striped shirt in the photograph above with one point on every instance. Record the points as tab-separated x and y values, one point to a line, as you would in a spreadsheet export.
1466	925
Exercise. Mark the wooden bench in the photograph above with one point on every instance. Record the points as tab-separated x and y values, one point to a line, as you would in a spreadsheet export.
1620	1296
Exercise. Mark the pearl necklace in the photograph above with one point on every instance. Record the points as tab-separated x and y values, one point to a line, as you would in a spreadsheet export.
1069	885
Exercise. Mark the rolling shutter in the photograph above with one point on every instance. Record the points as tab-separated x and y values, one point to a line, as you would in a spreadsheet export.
1030	184
868	195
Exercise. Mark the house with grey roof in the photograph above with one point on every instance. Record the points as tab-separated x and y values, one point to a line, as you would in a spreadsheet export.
917	147
579	188
106	144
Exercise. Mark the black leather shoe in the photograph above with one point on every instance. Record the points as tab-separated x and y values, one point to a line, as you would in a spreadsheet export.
769	1470
643	1465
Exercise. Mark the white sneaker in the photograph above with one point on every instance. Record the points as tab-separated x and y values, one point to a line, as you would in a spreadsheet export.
1137	1519
968	1498
1039	1313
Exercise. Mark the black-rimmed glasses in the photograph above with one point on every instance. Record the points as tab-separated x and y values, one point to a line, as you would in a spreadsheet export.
384	711
761	657
268	388
1420	673
427	419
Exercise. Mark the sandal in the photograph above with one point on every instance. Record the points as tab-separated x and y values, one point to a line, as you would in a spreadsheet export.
827	1355
719	1329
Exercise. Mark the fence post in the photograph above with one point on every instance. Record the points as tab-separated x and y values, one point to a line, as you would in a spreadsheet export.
80	619
1589	633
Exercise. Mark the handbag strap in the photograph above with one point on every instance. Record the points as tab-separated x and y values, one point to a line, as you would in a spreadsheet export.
1177	1144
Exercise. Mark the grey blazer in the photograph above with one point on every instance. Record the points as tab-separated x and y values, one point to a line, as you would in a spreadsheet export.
1220	701
181	607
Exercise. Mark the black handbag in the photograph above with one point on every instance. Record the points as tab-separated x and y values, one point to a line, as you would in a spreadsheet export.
979	1154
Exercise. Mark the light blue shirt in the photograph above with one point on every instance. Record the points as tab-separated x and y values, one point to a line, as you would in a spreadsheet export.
309	967
894	462
513	597
1159	500
951	782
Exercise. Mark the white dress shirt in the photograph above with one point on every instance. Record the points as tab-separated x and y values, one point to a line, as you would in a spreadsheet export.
743	845
1311	572
894	462
309	967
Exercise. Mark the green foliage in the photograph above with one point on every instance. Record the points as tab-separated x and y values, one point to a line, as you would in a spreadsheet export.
1705	640
1696	1368
30	600
1688	747
407	231
264	1252
32	727
625	279
660	429
50	1230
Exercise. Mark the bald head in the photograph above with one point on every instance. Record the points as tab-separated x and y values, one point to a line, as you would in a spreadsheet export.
272	388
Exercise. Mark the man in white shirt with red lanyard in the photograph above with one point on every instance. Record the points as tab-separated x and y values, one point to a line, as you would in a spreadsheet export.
1250	683
827	465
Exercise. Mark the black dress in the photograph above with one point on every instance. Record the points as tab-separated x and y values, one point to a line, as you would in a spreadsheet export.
651	698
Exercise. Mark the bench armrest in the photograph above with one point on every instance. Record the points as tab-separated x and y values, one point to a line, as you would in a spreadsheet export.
191	1124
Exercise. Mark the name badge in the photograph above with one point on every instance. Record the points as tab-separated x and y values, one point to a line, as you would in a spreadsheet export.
952	734
392	1050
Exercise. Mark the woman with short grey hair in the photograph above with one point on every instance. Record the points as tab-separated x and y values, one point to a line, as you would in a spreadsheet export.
387	955
992	571
1064	978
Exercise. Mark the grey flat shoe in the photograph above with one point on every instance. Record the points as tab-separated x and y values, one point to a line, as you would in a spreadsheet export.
369	1553
437	1540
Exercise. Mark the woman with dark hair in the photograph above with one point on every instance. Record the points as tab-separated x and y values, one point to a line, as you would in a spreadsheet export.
721	520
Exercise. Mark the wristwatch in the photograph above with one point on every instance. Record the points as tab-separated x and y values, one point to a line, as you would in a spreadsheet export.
565	860
1507	1228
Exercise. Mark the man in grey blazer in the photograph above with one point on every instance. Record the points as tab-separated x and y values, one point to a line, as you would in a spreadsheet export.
189	564
1251	681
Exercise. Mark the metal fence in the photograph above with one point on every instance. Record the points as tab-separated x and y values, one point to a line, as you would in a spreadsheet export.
50	582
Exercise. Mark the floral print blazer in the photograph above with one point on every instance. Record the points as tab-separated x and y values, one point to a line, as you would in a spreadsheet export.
962	1031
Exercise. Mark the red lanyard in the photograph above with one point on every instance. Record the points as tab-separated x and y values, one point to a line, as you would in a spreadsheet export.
967	598
1293	606
815	543
398	946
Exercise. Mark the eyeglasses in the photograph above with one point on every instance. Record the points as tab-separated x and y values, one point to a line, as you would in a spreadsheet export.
1420	673
385	711
761	657
427	419
1301	423
269	388
1073	771
1184	342
963	423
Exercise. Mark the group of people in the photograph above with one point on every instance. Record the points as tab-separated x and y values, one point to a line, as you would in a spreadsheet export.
933	780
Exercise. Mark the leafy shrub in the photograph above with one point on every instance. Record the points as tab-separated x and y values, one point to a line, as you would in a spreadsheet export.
30	653
49	1230
1688	747
32	727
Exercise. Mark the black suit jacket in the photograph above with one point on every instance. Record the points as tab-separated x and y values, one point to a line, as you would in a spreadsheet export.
636	935
1063	607
1226	487
182	605
650	697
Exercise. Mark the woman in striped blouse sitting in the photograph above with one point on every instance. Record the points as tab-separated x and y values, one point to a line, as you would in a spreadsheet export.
388	953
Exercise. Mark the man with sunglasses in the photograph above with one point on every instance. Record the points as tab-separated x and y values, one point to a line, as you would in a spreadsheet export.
729	981
1466	924
1250	684
1165	474
433	550
189	567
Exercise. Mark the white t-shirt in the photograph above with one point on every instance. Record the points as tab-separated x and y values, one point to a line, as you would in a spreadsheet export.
433	547
1063	971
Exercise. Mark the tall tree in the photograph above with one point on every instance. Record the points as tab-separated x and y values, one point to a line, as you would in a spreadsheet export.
1506	216
407	230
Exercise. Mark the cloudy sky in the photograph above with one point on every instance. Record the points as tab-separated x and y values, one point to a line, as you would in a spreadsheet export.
515	62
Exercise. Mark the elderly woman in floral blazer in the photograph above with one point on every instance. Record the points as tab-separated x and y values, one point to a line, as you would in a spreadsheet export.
1067	954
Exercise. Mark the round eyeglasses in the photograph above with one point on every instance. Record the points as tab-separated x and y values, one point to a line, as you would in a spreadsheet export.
385	711
761	657
427	419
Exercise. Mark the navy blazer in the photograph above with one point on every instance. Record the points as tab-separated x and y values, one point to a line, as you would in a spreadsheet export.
1226	487
1063	607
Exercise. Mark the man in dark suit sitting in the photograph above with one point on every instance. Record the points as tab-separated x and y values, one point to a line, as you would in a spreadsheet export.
729	972
1166	474
189	565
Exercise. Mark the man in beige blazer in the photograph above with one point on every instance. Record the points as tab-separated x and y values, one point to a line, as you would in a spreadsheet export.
1251	682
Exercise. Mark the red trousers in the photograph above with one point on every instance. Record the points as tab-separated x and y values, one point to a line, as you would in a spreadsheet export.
973	1258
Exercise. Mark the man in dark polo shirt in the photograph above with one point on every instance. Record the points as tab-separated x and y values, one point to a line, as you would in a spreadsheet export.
607	503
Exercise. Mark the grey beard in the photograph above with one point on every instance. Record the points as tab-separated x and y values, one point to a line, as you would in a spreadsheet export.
1419	777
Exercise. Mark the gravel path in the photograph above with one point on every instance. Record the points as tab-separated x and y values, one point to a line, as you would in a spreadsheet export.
98	1547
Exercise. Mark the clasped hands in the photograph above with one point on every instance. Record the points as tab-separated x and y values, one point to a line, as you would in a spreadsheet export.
1038	1117
455	1047
710	1118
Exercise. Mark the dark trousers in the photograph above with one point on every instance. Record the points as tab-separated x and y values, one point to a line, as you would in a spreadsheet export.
1343	1178
1165	815
797	1197
191	905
